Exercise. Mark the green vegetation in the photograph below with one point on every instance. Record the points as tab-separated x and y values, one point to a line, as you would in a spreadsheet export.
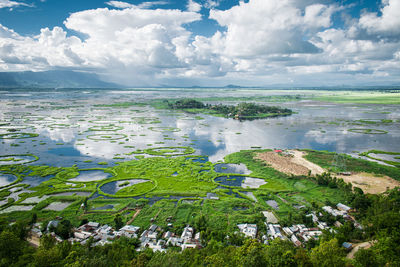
325	159
367	131
379	213
180	185
380	152
242	111
18	135
104	137
367	97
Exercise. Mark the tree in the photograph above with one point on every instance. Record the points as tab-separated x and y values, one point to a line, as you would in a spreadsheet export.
365	258
10	248
118	222
328	254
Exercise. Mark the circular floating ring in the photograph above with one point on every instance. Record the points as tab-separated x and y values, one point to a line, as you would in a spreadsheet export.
62	126
146	120
164	129
107	122
368	131
106	137
18	135
110	127
17	159
169	151
29	118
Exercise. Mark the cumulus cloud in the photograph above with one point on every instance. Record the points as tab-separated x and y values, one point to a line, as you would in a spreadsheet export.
259	42
11	4
387	24
193	6
120	4
269	27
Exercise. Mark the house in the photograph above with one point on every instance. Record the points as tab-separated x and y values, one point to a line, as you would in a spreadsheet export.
129	231
343	207
347	245
93	225
52	224
153	228
187	233
295	241
249	230
167	235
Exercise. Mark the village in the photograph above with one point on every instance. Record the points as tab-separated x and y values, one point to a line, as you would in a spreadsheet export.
158	239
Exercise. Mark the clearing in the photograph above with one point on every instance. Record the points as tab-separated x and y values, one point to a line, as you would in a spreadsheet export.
356	247
370	183
296	164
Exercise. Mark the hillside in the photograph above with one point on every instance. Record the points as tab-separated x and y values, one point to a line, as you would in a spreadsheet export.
49	79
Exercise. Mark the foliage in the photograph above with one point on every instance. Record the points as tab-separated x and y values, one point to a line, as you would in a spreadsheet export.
241	111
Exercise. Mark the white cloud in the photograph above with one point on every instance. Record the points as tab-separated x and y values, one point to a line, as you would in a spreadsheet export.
261	43
11	4
261	27
193	6
210	4
388	24
122	5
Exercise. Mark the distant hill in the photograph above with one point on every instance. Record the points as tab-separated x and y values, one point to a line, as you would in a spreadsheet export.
53	79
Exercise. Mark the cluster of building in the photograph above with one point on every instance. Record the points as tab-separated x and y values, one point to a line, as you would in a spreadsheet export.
299	233
157	239
154	237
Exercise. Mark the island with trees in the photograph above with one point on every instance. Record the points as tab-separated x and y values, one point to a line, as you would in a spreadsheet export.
242	111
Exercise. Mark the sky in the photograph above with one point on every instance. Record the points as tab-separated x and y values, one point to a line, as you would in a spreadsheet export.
266	43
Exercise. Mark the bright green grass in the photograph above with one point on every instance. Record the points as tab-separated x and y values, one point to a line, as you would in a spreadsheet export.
360	98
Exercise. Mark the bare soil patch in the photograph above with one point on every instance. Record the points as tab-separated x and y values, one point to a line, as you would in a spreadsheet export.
298	165
370	183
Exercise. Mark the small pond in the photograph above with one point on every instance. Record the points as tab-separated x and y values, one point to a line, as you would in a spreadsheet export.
16	159
58	206
6	179
90	176
113	187
105	207
232	168
75	193
35	180
240	181
17	208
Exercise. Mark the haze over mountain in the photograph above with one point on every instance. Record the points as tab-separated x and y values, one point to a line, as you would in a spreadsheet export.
52	79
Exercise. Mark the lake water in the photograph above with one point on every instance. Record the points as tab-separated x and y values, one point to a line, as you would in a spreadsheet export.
65	123
89	176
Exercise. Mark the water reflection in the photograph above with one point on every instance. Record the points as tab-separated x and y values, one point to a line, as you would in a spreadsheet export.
63	120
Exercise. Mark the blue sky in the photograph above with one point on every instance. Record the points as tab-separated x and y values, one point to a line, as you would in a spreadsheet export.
207	42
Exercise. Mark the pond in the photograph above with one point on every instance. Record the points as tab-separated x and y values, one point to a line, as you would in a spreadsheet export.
105	207
90	176
72	193
6	179
113	187
240	181
16	159
35	180
231	168
58	206
17	208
